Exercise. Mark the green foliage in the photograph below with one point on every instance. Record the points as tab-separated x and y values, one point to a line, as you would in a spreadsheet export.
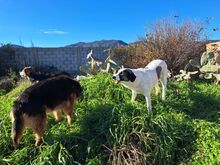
7	48
110	129
8	82
195	63
207	59
204	59
2	92
210	68
217	59
6	52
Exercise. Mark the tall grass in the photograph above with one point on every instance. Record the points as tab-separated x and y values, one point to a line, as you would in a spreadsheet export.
110	129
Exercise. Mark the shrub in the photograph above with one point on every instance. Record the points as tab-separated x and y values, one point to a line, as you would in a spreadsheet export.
175	43
6	84
208	67
2	92
6	52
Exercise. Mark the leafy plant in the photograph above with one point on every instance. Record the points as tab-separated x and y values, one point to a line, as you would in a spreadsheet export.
96	66
208	67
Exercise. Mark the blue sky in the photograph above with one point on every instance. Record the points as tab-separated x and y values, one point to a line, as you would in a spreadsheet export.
51	23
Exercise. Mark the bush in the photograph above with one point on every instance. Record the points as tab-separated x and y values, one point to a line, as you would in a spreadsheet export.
175	43
8	82
2	92
6	52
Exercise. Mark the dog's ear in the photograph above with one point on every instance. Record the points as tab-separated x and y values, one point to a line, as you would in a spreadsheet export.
27	70
131	76
115	70
29	67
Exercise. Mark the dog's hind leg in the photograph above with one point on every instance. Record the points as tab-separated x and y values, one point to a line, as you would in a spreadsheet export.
134	95
17	128
157	88
38	127
148	100
164	86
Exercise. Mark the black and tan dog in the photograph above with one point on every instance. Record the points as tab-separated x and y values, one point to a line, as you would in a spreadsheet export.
31	107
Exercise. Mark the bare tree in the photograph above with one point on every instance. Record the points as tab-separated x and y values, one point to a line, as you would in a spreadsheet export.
169	40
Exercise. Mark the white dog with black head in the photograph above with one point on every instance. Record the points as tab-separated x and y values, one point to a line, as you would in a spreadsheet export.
142	80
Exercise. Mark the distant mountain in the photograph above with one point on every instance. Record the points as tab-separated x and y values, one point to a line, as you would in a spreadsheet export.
101	43
12	45
136	42
16	46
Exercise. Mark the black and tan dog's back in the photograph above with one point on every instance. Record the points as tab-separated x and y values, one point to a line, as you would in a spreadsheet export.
31	107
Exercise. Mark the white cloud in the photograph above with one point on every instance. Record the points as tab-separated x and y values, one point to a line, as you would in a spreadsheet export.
54	31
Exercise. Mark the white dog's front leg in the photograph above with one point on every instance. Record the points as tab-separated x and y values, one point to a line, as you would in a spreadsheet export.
157	88
164	94
134	95
148	100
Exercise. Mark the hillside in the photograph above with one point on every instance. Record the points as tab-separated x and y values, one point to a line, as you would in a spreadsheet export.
12	45
101	43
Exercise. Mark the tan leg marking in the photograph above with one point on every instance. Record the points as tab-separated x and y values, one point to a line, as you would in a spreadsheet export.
68	108
57	115
38	126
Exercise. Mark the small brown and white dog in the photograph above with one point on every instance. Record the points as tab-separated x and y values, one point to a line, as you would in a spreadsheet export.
28	73
142	80
31	107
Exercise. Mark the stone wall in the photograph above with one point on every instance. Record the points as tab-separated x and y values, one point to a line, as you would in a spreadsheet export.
65	59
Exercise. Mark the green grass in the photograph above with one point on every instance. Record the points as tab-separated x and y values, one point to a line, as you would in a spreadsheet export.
110	129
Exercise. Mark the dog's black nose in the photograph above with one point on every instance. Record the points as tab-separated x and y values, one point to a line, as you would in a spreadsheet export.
114	77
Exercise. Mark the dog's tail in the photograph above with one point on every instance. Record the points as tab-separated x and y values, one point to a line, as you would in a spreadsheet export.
17	123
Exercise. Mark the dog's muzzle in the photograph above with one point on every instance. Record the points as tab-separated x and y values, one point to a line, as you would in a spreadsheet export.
22	74
116	81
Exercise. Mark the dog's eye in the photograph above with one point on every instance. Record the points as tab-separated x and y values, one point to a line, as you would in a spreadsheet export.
121	74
